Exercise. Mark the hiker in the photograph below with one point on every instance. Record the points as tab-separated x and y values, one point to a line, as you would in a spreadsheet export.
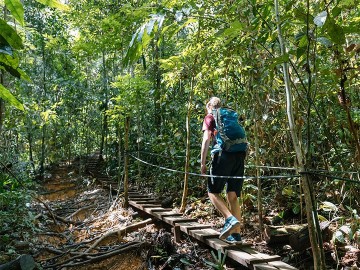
224	163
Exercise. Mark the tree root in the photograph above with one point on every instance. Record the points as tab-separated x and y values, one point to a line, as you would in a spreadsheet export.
121	231
94	257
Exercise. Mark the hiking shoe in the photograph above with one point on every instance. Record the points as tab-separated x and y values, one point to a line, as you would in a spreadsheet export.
234	238
230	224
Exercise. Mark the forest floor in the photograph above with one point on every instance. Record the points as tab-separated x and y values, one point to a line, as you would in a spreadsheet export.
81	224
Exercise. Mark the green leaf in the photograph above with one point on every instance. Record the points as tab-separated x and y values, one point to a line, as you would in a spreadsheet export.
54	4
10	35
336	11
336	32
11	65
279	60
7	96
17	10
303	41
324	41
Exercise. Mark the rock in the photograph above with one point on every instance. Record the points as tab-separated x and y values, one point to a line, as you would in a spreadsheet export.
23	262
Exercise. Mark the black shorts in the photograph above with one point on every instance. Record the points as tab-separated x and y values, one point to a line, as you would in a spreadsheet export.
226	164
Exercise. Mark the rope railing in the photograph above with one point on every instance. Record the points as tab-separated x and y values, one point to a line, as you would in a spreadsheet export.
287	176
217	176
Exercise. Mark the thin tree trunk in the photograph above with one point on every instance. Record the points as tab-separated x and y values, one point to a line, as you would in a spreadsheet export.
126	162
105	123
119	155
157	90
2	103
43	135
316	243
187	161
257	162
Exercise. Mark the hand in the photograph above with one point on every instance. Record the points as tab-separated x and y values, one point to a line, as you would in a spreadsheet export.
203	169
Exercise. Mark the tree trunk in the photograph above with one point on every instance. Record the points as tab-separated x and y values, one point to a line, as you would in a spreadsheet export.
119	156
126	162
157	90
311	213
104	109
2	103
187	161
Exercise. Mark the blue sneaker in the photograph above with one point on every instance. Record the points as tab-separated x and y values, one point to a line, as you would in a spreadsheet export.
234	238
230	224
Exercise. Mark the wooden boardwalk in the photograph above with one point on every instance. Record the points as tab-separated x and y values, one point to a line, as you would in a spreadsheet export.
243	254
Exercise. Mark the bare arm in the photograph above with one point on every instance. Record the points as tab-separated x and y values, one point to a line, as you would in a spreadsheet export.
204	149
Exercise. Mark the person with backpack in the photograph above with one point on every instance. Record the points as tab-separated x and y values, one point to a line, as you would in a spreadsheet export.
221	127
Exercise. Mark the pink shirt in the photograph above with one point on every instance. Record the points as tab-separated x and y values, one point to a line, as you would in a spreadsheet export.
209	123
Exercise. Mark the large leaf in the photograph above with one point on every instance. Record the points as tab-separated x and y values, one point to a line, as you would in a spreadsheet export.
54	4
10	35
279	60
11	65
142	37
17	10
233	31
7	96
335	31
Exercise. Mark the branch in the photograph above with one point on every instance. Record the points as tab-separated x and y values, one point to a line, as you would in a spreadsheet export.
120	231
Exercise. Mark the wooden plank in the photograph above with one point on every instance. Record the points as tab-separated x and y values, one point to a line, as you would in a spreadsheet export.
143	206
188	226
216	243
161	214
147	201
239	245
142	198
204	234
161	209
134	204
283	266
264	266
149	205
173	220
150	210
243	257
261	256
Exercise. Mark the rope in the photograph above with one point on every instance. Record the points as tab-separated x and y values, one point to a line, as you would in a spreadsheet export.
217	176
313	172
247	166
272	167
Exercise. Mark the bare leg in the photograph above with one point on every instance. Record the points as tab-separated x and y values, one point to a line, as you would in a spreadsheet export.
220	204
234	207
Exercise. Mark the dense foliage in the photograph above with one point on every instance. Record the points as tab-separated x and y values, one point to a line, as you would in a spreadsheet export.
70	74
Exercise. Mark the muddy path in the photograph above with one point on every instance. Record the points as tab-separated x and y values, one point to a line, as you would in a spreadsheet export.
74	212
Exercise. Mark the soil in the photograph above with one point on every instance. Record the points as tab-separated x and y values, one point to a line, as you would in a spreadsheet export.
74	211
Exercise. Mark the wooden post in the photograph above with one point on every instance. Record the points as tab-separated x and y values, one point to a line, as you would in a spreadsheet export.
177	233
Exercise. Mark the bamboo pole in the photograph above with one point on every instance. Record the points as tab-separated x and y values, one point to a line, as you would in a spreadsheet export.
311	213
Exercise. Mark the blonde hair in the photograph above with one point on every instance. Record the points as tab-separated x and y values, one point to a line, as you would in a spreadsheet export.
215	102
